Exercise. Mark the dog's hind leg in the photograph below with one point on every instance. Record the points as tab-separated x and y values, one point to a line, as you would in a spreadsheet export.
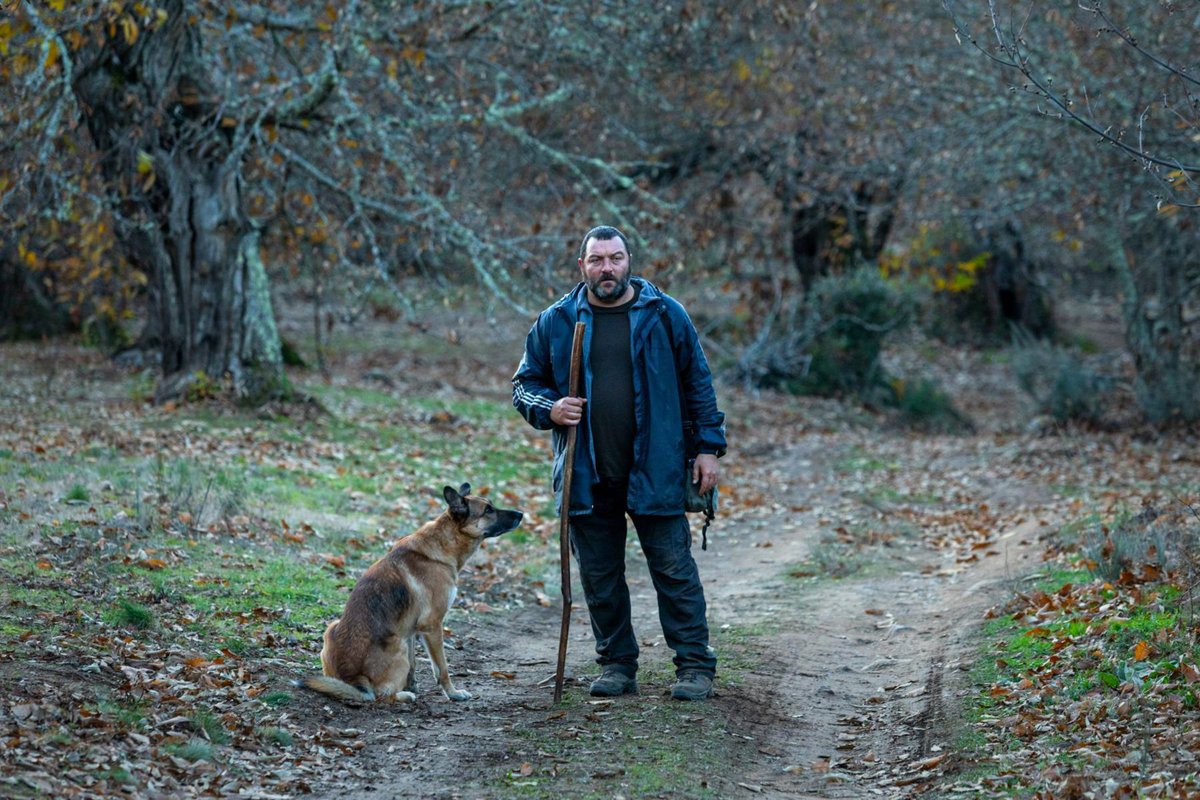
433	643
410	684
392	669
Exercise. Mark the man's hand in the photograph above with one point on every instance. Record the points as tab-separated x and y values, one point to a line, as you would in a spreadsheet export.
706	471
567	411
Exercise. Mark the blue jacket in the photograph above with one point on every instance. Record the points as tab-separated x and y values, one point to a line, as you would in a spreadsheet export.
657	476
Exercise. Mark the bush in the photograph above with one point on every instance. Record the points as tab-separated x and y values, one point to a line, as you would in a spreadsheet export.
925	407
833	349
1061	385
848	318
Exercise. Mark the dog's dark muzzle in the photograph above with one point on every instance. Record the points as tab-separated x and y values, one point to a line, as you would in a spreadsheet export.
505	522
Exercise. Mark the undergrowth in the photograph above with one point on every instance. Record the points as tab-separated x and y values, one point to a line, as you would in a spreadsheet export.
1090	681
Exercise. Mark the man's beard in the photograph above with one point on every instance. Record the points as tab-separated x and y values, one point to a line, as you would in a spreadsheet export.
620	285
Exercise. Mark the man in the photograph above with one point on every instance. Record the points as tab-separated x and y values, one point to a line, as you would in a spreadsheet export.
640	352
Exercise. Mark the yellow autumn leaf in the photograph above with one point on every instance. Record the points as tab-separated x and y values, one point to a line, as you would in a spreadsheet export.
129	29
145	162
413	55
51	55
1141	651
742	70
57	5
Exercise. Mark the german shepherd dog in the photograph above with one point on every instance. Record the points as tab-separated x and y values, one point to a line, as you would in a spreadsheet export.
368	653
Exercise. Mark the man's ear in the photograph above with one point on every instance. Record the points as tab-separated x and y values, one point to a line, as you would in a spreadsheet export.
456	503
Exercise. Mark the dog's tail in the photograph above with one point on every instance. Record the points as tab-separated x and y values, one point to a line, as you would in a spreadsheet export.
335	687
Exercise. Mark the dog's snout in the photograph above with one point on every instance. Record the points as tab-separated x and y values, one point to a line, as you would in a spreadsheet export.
505	522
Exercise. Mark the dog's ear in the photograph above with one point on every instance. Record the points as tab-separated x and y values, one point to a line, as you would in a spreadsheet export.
458	505
465	489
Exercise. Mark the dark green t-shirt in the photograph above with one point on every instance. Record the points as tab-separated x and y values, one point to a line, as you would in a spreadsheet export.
611	403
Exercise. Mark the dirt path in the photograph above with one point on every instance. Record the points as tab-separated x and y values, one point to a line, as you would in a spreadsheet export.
835	687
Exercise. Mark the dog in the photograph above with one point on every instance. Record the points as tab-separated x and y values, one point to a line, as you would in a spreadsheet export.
368	652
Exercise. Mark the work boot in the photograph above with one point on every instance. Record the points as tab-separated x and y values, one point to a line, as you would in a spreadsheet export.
692	684
613	683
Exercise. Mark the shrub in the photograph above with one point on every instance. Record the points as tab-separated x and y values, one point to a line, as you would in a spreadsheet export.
925	407
1061	385
848	318
832	346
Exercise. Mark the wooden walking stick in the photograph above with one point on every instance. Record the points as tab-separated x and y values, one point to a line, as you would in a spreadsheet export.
564	515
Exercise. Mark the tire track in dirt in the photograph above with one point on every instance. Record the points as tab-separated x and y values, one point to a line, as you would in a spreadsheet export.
846	703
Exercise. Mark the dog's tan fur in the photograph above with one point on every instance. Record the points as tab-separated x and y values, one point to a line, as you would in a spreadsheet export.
368	652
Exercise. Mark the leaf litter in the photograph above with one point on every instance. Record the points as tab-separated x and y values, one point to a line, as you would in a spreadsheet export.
99	704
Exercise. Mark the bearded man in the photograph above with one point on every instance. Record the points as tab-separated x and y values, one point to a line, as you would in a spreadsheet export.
647	399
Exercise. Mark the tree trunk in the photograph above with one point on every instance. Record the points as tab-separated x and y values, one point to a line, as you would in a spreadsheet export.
175	174
1160	335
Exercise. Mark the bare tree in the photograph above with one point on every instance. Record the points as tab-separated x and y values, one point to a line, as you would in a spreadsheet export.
1127	77
362	136
1141	99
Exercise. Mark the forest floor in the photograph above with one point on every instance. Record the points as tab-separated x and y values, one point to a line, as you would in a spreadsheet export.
169	571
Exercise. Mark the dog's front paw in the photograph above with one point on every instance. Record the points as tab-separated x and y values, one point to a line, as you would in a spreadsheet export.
458	694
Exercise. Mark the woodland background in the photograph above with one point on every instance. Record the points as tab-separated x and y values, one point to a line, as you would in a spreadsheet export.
168	165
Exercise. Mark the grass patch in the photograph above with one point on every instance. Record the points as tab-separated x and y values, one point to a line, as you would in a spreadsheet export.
280	736
118	775
193	750
204	721
738	650
128	614
861	462
887	494
651	748
125	715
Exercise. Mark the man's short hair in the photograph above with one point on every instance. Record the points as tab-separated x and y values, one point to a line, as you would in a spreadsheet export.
604	232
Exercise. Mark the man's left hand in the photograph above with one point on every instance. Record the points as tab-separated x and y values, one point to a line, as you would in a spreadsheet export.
706	471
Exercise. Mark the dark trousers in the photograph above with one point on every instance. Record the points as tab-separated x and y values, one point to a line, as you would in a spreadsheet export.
598	541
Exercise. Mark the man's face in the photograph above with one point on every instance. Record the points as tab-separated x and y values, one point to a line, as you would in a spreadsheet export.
605	267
